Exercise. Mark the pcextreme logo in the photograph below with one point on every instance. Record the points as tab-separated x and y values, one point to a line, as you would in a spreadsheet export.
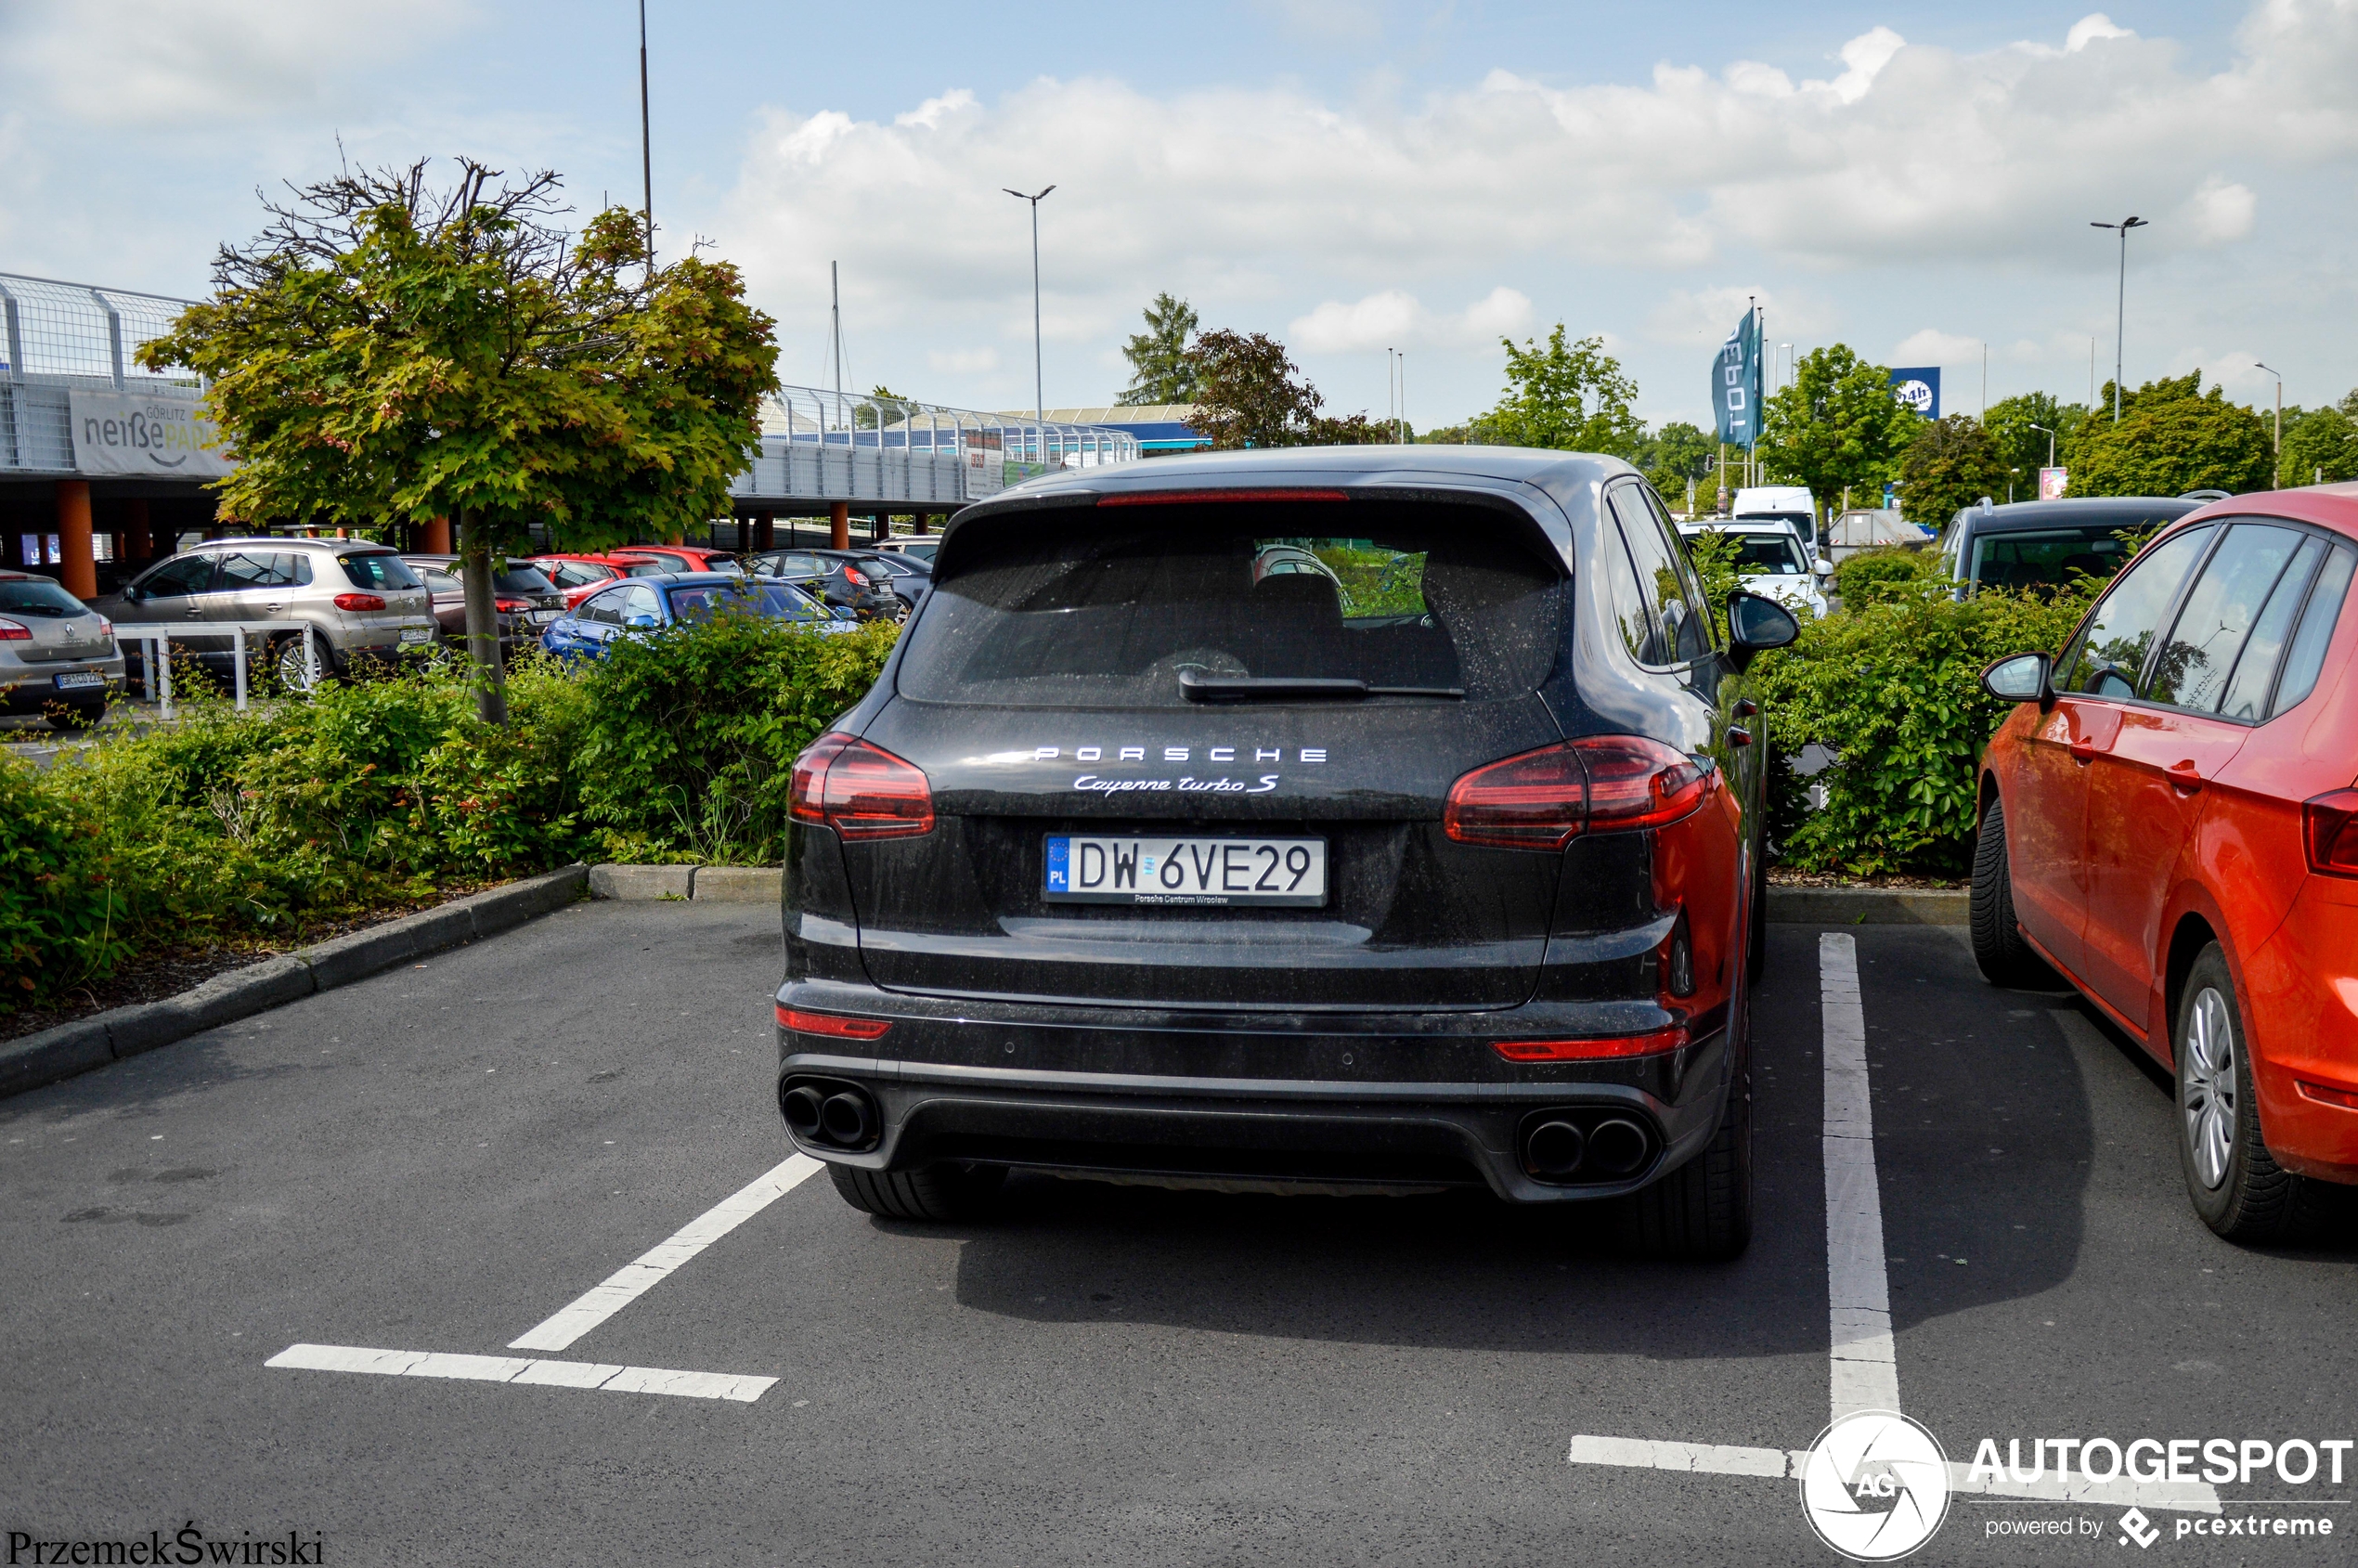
1876	1485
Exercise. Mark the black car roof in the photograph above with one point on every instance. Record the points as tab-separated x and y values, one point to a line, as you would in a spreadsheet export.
2077	513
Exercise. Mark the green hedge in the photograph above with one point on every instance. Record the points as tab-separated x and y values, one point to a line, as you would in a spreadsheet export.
1860	577
1892	688
230	825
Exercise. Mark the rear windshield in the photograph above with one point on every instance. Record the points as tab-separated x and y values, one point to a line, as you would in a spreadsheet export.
2048	556
37	596
378	569
520	578
1108	615
1776	555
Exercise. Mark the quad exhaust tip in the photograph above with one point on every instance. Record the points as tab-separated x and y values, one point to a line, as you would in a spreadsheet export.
1571	1148
830	1115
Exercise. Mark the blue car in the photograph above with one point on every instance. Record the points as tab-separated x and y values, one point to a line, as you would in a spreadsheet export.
636	606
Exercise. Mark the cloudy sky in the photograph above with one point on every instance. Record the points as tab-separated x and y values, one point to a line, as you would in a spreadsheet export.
1349	174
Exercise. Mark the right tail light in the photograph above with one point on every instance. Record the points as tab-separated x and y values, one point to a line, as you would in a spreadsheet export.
2329	832
1600	783
860	790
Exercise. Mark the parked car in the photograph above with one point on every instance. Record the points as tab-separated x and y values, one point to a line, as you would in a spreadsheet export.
641	605
2038	544
1873	528
838	577
909	578
679	558
58	656
1784	506
2168	821
1129	863
361	601
1772	561
523	596
577	576
917	547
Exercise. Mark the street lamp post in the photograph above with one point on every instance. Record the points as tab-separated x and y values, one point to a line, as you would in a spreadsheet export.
2280	407
2120	305
646	142
1039	399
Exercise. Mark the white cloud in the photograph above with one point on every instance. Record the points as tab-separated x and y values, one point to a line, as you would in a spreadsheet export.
1394	319
2219	211
963	361
1706	317
1932	347
158	63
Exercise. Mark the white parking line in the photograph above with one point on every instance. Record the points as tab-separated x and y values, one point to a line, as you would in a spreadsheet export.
643	1274
516	1369
1864	1369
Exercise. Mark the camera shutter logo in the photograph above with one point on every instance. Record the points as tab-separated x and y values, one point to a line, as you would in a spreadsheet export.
1876	1485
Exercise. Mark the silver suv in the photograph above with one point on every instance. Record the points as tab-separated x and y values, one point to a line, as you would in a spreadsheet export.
361	599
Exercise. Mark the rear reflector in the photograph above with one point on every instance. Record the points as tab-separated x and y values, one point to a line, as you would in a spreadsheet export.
1191	498
1602	1048
2324	1095
860	790
1599	784
2329	832
831	1026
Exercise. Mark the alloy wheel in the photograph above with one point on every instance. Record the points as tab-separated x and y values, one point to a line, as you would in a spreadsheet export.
2210	1104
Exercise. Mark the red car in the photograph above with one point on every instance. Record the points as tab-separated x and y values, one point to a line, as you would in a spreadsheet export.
2169	821
679	558
578	577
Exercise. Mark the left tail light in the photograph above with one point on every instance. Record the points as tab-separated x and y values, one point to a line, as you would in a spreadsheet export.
851	575
831	1024
2329	832
359	602
1599	784
14	631
860	790
511	606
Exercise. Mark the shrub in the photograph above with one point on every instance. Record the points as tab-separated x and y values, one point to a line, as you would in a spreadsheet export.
1858	578
688	736
61	915
1892	688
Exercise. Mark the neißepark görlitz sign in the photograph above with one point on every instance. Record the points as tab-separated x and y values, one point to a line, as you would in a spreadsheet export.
126	434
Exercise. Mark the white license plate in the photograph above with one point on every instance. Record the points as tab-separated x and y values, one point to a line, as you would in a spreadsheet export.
1282	873
80	679
417	634
542	617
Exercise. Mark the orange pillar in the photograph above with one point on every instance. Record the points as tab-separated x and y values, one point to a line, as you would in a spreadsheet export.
839	525
765	531
436	534
79	573
921	525
138	545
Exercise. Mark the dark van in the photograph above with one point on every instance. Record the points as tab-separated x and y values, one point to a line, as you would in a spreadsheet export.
1321	818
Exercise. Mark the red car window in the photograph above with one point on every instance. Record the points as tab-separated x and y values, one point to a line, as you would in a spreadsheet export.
2106	657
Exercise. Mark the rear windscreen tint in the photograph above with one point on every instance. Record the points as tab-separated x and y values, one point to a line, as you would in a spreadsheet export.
2048	557
377	570
520	578
1047	614
38	596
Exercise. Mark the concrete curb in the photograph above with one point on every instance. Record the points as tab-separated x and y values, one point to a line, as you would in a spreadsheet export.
1868	906
125	1032
722	884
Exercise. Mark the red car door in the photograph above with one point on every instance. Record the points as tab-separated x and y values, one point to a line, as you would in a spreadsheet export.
2047	819
2149	788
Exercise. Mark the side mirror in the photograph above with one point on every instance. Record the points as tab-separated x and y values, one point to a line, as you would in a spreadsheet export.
2021	678
642	621
1757	624
1823	566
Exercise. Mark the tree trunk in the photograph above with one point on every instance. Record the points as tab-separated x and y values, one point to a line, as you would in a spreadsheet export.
483	618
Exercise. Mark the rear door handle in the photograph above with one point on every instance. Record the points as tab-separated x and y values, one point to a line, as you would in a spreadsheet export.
2184	775
2084	751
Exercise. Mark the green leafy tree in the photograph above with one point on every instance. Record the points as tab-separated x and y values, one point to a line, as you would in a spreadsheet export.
1836	425
1952	463
2019	426
1676	454
2321	447
1161	370
2173	439
387	353
1570	396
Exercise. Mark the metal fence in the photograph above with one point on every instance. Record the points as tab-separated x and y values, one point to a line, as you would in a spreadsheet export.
56	336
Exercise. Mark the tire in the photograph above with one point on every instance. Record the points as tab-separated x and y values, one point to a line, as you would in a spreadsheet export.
1701	1211
2237	1186
2006	959
939	1192
287	664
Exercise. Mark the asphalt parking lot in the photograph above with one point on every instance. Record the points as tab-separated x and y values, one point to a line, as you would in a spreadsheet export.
439	1159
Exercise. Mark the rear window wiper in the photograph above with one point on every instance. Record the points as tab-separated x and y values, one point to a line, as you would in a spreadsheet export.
1249	688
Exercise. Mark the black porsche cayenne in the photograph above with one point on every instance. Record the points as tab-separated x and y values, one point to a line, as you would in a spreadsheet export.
1341	819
